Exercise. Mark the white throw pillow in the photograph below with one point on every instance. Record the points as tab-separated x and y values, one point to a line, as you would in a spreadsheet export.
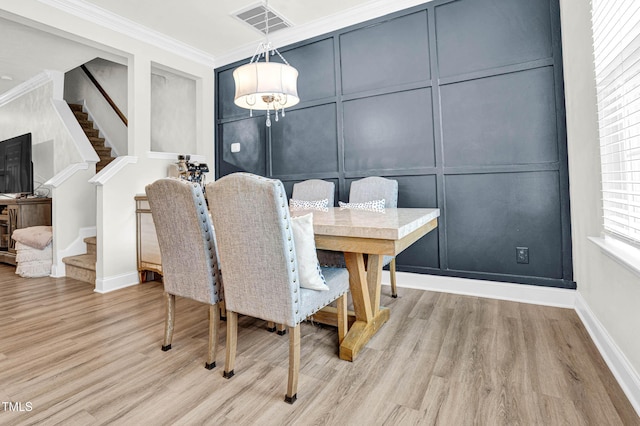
308	267
373	206
309	205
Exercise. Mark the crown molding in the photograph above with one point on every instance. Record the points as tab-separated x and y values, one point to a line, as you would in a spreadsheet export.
110	20
352	16
38	80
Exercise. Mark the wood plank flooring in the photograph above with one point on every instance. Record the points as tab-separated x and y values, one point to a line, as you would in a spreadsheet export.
79	357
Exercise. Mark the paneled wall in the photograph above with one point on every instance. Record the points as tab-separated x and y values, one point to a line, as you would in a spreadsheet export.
460	101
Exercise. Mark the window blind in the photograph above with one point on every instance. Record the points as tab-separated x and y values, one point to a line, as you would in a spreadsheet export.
616	46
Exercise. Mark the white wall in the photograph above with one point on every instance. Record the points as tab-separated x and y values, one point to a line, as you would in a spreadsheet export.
74	209
113	78
34	113
73	200
173	112
115	220
611	291
116	238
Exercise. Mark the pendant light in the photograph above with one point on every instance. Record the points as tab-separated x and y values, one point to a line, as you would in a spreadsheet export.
269	86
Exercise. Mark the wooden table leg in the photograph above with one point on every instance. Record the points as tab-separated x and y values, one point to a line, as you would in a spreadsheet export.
374	280
365	292
358	286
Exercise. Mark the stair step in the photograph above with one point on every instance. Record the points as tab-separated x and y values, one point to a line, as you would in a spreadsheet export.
103	151
81	267
91	133
81	116
86	261
103	163
91	245
96	142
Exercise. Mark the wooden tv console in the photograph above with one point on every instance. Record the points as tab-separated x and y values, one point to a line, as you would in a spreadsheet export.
16	213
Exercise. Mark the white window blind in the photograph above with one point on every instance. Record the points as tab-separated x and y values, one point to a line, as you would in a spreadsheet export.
616	45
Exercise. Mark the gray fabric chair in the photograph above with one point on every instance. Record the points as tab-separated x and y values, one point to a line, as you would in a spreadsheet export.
314	190
254	232
378	188
375	188
189	257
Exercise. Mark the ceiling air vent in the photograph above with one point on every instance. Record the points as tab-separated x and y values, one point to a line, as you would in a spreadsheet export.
254	16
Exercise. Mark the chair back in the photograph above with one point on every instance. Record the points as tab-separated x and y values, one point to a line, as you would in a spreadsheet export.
186	239
255	242
314	190
375	188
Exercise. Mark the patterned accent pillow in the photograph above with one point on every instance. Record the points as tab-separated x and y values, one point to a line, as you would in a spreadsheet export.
322	205
372	206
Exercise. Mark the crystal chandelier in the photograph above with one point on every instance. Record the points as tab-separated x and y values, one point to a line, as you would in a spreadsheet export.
269	86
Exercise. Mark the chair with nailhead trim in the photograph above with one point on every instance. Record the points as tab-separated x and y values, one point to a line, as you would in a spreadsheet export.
255	241
189	254
316	190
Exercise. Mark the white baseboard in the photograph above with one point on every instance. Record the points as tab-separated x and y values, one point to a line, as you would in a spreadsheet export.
78	246
623	371
537	295
116	282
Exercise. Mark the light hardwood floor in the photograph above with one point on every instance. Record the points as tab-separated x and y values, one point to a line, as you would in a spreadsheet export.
79	357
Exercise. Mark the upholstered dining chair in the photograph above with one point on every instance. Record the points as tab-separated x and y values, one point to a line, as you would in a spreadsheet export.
259	251
314	190
188	249
311	190
378	188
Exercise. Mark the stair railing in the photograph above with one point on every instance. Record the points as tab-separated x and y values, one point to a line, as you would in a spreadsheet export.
105	95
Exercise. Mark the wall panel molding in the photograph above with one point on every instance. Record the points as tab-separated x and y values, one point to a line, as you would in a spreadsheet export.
462	102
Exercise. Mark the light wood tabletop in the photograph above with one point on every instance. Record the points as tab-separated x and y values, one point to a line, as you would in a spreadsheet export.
358	233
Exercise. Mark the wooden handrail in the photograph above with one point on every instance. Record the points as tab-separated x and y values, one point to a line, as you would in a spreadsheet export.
106	96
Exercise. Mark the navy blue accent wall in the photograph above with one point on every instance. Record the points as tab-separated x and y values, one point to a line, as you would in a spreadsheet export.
461	101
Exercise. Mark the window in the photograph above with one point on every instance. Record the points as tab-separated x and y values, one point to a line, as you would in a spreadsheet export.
616	43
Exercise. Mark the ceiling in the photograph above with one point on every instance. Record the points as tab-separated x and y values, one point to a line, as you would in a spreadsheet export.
207	26
26	52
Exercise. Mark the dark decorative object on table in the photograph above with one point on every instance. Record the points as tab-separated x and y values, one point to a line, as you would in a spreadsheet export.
192	171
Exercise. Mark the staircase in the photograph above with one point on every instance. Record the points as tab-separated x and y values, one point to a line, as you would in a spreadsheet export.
103	152
83	266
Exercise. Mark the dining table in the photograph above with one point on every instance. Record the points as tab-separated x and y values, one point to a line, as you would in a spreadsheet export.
365	237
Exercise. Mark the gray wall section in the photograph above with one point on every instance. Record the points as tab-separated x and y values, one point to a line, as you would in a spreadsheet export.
385	54
305	141
461	102
509	119
386	131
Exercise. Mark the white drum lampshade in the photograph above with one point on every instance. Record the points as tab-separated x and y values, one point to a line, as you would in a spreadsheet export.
266	86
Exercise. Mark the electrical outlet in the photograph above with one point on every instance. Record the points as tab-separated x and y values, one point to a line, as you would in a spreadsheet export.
522	254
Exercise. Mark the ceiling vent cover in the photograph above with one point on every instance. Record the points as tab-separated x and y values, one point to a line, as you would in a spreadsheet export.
254	16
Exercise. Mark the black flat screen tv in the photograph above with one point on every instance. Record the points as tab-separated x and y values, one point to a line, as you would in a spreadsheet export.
16	168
